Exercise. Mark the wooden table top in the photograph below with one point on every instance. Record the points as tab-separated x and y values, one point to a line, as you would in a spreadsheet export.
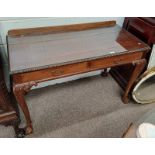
35	52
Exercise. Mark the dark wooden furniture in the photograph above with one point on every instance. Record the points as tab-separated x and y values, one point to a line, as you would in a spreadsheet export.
42	54
144	29
141	27
8	114
148	117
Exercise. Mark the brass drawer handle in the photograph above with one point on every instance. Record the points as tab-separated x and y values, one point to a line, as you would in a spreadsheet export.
57	72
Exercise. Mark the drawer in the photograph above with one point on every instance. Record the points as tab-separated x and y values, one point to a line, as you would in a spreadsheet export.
115	61
77	68
51	73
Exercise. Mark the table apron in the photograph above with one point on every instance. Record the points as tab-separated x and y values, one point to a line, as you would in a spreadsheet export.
75	68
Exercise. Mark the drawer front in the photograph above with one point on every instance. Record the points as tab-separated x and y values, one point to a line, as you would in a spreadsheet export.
73	69
115	61
51	73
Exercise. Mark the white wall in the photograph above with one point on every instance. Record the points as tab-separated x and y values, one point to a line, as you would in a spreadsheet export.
14	23
152	58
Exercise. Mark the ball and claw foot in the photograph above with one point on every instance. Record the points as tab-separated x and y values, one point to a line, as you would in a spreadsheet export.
104	73
22	132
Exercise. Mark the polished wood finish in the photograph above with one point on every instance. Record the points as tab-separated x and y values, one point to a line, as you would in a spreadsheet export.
19	91
141	27
8	111
102	48
52	50
144	29
59	29
76	68
139	66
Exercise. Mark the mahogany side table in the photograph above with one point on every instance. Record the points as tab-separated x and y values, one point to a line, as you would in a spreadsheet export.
42	54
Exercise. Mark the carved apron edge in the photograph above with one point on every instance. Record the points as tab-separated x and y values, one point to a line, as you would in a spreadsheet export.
24	87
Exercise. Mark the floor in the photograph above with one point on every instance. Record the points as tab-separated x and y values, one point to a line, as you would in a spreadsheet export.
89	107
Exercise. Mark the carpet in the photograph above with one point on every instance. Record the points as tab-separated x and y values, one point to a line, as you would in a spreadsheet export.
85	108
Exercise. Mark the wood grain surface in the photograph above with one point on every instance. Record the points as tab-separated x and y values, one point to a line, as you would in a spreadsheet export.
42	51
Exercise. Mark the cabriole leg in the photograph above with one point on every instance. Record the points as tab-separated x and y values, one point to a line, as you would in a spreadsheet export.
139	66
19	91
